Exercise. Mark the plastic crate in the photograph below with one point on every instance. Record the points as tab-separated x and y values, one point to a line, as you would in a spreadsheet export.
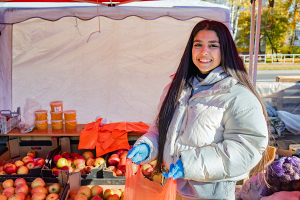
11	123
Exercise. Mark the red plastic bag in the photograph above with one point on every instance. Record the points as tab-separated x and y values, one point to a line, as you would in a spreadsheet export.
88	136
138	187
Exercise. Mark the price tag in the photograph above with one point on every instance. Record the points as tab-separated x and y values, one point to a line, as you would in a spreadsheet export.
56	109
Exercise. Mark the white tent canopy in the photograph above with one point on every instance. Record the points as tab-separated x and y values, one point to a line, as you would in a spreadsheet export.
119	74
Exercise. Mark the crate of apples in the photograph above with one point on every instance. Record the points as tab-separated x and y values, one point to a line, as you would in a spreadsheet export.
116	163
74	162
27	165
20	189
95	192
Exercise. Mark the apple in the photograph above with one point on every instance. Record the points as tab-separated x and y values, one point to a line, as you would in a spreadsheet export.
54	188
90	161
21	195
30	164
99	162
8	190
88	169
15	197
1	167
122	162
28	197
7	194
22	170
31	153
39	189
8	183
87	155
22	188
80	197
147	169
124	154
56	172
66	155
107	192
74	155
38	196
153	163
56	158
19	163
85	190
121	171
10	168
40	162
2	173
112	168
80	166
52	196
38	182
113	159
96	198
27	158
67	168
96	190
73	193
3	197
62	162
113	197
19	181
134	168
79	160
70	161
119	152
118	192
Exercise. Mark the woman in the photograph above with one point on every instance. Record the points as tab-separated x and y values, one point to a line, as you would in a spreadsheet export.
211	129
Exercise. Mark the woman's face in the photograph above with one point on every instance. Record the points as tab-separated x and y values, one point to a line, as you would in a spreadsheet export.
206	51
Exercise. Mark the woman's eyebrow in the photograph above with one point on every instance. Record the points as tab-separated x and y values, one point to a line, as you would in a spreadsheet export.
213	41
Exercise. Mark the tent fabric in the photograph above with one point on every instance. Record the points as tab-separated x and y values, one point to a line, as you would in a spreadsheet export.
119	74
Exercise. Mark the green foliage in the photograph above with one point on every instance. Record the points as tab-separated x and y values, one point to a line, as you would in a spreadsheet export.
287	50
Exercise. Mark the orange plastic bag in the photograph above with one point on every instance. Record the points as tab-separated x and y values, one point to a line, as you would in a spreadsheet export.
138	187
89	135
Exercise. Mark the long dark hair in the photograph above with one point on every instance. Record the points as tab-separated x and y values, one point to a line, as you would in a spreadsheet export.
230	61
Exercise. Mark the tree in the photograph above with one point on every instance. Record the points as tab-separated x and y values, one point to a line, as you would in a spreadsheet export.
274	22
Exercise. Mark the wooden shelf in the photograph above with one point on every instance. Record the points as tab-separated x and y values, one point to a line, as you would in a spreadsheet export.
53	133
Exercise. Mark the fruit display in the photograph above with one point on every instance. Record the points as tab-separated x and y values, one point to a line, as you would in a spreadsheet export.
74	162
20	189
95	192
23	165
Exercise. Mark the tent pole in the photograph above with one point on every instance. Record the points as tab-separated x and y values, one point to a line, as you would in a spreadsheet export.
257	41
251	38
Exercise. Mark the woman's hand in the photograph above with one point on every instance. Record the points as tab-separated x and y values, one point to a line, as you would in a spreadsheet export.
139	153
176	171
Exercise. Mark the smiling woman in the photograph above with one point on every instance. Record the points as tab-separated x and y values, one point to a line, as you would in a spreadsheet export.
211	129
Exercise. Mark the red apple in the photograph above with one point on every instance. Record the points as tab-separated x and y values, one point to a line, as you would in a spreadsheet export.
38	196
40	162
52	196
3	197
22	188
119	152
96	198
85	190
67	168
56	172
124	154
73	193
113	197
112	168
56	158
1	167
113	160
38	189
70	161
22	170
21	196
107	192
19	181
10	168
121	171
30	164
147	169
90	162
79	160
74	155
27	159
87	155
88	169
31	153
66	155
122	162
80	197
99	162
9	190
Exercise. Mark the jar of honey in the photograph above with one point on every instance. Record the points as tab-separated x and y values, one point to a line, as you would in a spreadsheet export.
70	115
57	124
57	115
56	106
41	115
41	125
71	125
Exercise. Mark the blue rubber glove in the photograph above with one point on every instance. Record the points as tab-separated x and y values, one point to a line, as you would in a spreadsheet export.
139	153
176	171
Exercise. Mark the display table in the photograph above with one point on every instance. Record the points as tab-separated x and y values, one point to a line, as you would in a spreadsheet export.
53	133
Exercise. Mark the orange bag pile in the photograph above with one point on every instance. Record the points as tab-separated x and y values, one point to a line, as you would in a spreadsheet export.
138	187
109	137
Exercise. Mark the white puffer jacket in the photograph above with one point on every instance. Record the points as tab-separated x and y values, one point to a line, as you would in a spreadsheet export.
220	131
